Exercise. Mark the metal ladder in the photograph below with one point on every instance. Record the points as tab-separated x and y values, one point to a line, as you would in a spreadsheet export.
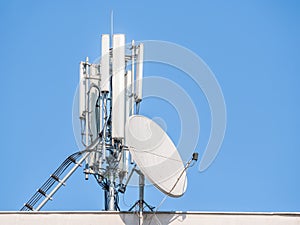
54	182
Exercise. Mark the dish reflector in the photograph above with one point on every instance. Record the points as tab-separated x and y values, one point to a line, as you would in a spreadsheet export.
156	155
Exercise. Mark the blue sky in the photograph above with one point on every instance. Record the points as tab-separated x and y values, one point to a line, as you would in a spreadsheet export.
251	46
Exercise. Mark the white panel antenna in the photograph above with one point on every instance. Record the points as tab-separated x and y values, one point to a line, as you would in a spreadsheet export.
139	73
93	95
118	86
82	94
105	56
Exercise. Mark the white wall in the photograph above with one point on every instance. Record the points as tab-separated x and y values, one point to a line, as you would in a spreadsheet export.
160	218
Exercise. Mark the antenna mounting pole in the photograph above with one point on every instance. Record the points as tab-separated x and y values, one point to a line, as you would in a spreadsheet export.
111	23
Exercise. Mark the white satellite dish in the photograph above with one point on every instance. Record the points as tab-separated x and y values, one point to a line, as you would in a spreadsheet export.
156	155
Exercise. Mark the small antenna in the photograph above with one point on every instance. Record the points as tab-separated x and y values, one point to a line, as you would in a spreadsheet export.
111	23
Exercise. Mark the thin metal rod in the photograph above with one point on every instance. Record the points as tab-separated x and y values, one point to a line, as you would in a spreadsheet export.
111	23
132	76
182	172
130	175
87	113
141	196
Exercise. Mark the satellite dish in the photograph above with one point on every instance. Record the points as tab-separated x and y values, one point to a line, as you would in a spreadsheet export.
156	155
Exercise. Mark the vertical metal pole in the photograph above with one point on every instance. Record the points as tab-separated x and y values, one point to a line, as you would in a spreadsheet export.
132	76
104	126
128	104
111	23
132	83
111	197
141	196
87	122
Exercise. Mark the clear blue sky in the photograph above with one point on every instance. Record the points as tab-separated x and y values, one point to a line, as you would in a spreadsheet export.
251	46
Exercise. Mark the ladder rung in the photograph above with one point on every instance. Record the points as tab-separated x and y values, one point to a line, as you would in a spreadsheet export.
72	160
29	207
57	179
42	192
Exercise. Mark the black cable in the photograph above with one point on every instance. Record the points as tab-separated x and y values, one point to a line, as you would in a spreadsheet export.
117	201
137	107
29	206
97	110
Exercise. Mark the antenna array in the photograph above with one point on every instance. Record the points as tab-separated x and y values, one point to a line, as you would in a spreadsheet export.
109	93
114	136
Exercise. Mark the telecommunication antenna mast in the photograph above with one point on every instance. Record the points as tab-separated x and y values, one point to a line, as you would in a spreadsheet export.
109	91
